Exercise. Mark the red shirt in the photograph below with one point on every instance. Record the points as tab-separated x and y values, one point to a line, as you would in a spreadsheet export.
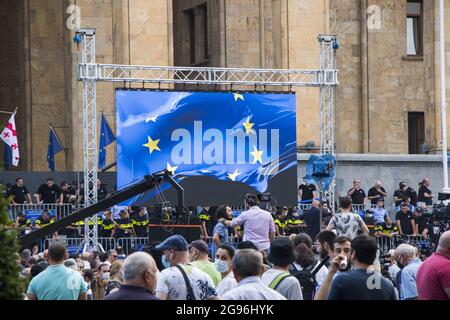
433	277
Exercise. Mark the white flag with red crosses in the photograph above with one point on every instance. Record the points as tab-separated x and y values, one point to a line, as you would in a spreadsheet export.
9	136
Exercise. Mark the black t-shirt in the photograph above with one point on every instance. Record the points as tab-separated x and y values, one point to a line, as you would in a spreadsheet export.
49	195
352	285
412	195
358	196
307	191
421	197
19	193
399	194
67	194
422	222
405	221
374	192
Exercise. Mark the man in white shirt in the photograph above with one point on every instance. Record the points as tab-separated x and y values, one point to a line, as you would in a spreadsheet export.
182	281
247	269
278	278
259	226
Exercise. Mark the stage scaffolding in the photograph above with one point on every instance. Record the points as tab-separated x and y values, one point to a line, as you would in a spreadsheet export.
90	72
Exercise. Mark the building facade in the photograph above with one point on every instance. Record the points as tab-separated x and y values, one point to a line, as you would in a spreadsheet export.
388	100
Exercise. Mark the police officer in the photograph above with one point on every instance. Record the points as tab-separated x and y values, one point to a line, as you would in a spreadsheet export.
140	222
281	222
44	220
108	225
124	228
205	218
293	221
21	221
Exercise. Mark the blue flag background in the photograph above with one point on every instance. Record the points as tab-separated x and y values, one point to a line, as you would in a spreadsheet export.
106	138
247	138
54	147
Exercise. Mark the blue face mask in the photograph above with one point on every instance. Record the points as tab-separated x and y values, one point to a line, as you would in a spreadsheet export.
165	261
221	265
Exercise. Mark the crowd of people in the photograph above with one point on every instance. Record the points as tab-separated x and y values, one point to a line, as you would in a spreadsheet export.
339	263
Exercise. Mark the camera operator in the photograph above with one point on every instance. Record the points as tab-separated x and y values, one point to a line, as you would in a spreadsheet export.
432	231
420	219
390	265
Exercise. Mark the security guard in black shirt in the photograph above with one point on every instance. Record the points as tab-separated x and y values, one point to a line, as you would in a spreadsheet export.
124	228
140	223
108	225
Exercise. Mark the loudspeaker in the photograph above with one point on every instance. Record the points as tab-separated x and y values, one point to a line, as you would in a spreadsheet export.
160	233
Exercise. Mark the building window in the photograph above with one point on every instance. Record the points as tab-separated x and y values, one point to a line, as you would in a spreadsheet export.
197	22
416	132
414	27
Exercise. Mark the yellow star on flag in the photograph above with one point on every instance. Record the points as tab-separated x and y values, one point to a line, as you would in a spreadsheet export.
152	145
238	96
151	119
257	155
233	176
248	126
171	169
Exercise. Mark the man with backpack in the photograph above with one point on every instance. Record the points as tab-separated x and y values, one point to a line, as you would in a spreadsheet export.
281	255
309	271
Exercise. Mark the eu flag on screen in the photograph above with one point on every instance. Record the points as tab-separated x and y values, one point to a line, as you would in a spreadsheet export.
54	147
240	137
7	156
106	138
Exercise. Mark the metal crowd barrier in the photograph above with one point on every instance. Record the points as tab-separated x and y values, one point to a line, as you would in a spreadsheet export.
385	243
58	210
76	244
132	243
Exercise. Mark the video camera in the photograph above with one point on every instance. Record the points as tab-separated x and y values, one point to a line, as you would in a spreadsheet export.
164	211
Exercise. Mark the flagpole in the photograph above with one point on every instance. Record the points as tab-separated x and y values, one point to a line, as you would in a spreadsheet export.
57	138
443	96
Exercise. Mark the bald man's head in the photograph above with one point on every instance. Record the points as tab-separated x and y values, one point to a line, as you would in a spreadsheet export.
444	244
315	203
139	269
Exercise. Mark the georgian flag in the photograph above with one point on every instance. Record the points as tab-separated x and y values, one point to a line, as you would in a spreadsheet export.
9	136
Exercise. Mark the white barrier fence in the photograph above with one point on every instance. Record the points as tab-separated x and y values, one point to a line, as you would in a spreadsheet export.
57	211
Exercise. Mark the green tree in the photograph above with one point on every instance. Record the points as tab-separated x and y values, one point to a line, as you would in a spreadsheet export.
11	285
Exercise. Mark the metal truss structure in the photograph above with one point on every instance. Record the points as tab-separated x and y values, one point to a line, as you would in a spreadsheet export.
90	72
328	45
87	58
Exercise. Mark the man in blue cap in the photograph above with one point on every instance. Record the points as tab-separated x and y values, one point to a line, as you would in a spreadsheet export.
180	280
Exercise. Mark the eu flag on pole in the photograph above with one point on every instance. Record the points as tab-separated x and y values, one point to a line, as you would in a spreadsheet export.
54	147
106	138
